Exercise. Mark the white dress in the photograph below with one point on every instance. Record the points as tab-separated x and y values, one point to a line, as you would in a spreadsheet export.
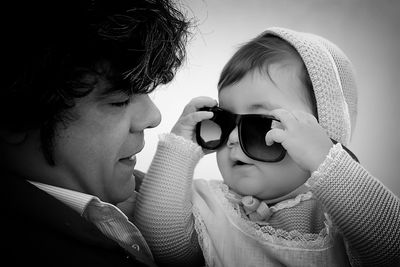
228	239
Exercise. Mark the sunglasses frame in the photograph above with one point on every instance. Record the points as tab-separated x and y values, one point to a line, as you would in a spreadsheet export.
235	120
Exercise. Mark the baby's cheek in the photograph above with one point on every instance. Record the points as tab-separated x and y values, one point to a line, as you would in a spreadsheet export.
223	161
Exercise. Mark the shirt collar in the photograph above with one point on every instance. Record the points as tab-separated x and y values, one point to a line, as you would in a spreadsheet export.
74	199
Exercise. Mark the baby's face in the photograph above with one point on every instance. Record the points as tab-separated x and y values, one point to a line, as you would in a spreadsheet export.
256	93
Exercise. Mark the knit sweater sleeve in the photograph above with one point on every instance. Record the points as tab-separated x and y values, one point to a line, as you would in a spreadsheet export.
361	207
163	209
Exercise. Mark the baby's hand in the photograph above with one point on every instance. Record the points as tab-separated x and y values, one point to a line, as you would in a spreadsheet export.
186	124
303	138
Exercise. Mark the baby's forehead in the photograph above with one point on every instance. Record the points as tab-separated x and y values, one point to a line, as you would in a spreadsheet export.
259	92
292	64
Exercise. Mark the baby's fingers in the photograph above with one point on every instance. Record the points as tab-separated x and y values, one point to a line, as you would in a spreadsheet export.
186	124
285	117
198	103
199	116
275	135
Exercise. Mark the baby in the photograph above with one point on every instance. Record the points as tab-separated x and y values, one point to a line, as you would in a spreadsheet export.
292	193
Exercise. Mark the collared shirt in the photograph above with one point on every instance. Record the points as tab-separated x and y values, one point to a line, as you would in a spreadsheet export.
74	199
79	201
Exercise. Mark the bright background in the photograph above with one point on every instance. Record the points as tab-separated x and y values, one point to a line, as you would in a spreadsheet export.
368	31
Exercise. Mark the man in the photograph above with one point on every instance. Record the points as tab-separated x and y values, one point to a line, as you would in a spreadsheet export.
74	104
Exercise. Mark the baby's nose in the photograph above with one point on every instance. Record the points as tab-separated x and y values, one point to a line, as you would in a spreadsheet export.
233	138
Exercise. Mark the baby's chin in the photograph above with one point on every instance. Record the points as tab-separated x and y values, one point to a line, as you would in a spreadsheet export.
258	192
270	194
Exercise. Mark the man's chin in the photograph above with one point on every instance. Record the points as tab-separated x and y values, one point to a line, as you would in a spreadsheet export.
128	204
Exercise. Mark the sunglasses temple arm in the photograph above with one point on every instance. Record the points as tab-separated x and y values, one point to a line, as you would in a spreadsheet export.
347	150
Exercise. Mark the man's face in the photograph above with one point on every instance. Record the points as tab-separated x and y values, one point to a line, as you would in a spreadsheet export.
95	153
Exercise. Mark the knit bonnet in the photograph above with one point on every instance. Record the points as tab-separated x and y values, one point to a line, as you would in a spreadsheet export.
332	78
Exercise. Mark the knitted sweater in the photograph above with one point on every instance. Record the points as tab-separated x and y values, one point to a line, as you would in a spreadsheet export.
360	209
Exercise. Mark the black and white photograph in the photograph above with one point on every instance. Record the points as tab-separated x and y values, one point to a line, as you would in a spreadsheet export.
200	133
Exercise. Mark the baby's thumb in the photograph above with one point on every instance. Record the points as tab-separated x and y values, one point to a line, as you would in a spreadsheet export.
274	135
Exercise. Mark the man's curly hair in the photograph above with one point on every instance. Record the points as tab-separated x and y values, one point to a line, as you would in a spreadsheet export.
53	50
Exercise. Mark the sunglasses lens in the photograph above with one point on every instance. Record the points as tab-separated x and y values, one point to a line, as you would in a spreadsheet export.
252	135
209	134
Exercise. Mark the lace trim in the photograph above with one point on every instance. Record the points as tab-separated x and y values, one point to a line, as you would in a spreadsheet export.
202	237
266	232
257	210
326	166
292	202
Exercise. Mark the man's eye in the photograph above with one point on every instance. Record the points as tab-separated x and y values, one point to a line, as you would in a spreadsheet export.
121	104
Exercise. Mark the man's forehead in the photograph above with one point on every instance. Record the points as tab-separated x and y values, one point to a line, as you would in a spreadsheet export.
109	82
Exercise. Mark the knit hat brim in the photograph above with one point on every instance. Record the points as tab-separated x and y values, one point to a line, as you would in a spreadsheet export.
332	78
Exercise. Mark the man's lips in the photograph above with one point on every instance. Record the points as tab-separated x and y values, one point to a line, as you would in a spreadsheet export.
129	161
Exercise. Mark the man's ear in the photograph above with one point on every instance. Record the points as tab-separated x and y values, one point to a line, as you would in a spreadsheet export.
11	137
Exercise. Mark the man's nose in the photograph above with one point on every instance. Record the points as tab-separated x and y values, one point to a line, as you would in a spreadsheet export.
154	114
146	114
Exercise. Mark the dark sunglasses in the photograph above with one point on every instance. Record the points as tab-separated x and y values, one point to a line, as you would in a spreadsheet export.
213	133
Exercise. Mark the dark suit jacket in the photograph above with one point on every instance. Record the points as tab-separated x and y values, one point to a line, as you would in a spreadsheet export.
39	230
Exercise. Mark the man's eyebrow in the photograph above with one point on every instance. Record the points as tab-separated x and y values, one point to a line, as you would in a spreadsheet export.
109	92
113	88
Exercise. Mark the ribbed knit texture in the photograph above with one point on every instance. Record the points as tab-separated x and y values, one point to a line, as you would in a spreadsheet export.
333	81
306	217
362	209
163	211
373	230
